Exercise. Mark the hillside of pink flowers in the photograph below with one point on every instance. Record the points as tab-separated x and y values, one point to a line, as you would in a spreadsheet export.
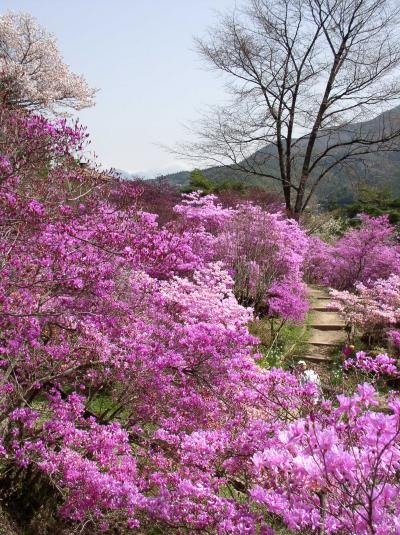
131	400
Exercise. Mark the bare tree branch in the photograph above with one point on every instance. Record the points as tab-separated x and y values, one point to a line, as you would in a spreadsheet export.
304	77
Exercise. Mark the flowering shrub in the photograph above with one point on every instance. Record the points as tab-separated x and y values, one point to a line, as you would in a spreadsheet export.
155	196
372	308
265	252
96	299
336	472
362	255
377	366
91	463
394	337
130	396
205	211
318	262
207	298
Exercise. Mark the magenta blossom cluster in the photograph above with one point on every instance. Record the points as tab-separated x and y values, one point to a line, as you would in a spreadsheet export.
373	307
365	254
394	337
380	365
334	472
129	384
266	252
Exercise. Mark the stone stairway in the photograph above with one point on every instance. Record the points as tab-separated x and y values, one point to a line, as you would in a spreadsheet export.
326	326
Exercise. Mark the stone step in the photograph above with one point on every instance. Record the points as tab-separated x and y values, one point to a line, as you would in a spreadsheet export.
326	338
319	353
317	358
321	307
316	293
326	320
321	327
327	316
319	350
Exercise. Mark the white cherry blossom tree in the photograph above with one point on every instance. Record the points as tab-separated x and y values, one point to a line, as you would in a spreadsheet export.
32	72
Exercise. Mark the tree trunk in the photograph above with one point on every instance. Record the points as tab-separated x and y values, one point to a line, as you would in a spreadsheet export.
298	207
287	195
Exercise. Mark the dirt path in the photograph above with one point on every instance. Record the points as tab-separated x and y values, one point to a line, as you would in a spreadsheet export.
326	326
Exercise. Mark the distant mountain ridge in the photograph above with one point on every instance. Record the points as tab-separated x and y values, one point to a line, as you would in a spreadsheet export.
382	169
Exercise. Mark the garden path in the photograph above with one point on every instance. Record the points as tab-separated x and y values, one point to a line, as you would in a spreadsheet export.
326	326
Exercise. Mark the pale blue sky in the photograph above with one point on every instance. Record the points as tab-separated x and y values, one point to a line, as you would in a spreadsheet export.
140	55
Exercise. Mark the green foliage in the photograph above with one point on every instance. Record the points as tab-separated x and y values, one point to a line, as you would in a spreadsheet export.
230	185
328	226
375	202
198	181
279	344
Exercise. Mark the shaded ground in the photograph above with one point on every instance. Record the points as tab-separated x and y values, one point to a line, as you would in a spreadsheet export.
7	527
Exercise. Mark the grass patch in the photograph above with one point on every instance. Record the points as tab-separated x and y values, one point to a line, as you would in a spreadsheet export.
279	344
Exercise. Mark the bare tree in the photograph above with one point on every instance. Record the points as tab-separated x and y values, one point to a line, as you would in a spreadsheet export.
304	75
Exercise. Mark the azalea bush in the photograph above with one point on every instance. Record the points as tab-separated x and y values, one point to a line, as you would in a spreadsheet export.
364	254
265	252
394	338
378	366
131	399
335	472
372	310
100	303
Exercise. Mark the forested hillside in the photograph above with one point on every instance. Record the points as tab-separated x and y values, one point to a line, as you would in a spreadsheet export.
377	169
